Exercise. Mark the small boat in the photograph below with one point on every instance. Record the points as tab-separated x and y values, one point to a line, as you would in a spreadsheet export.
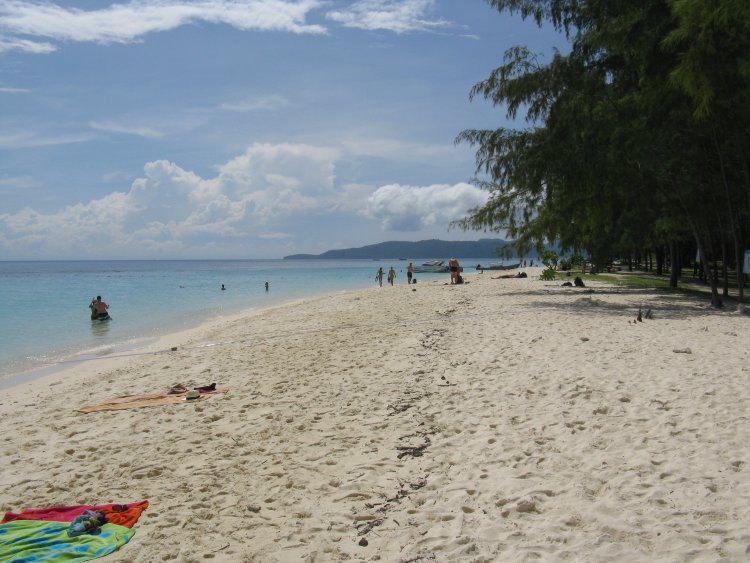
436	266
498	266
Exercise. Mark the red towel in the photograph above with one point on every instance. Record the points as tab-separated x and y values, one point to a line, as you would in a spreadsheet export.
122	514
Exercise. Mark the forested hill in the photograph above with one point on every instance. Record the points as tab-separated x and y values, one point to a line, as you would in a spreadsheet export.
434	248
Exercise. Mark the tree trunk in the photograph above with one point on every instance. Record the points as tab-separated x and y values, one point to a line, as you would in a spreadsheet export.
674	253
715	299
734	225
724	273
739	260
659	252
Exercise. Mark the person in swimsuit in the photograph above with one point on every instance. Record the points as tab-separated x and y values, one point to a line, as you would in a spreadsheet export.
98	308
409	272
454	267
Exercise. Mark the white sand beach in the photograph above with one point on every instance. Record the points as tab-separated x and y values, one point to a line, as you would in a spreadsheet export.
499	420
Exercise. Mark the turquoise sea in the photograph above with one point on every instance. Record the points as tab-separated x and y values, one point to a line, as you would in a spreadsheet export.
44	313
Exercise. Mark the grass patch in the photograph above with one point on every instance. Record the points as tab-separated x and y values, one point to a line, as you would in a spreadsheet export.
632	280
691	287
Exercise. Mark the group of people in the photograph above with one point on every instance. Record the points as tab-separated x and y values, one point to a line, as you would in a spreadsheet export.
391	276
453	266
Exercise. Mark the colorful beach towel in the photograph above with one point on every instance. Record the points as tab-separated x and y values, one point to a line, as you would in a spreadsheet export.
41	534
122	514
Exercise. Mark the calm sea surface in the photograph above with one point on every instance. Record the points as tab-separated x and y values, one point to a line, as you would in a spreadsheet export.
44	313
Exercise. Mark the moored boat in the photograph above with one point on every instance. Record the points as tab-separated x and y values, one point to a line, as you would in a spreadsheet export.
437	266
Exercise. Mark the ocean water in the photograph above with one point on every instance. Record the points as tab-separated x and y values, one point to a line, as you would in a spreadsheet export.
44	313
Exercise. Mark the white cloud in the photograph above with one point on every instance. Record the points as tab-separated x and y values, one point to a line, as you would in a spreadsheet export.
281	178
412	208
276	236
262	103
21	21
112	127
8	44
25	139
398	16
8	90
170	209
17	182
128	22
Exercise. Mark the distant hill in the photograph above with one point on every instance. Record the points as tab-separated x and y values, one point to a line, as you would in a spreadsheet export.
434	248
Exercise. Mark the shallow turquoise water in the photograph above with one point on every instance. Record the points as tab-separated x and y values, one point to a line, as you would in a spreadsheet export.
44	314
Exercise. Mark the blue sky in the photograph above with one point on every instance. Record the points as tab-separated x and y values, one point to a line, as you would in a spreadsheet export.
241	128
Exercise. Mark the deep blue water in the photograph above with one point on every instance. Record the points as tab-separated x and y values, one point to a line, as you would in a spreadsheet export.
44	314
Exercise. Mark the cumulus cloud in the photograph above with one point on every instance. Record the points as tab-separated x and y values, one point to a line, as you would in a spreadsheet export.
128	22
259	194
412	208
170	208
398	16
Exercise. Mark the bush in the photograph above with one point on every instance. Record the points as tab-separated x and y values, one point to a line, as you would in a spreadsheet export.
547	274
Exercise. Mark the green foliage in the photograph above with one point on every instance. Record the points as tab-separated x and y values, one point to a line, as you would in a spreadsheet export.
617	153
549	258
576	261
547	274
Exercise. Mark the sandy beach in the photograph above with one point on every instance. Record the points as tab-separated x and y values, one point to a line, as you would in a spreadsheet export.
499	420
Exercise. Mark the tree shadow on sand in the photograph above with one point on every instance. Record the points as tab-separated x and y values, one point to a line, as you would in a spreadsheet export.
662	304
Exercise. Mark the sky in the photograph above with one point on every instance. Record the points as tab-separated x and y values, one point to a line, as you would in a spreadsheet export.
242	128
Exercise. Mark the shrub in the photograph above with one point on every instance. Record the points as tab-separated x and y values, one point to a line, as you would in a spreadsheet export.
547	274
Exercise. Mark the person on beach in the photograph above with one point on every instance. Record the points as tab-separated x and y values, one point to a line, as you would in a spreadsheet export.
454	267
379	277
409	272
98	308
391	275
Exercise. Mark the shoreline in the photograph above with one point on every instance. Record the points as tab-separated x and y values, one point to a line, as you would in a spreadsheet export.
134	347
496	420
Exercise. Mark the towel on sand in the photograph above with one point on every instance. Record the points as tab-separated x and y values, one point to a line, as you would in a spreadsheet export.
41	534
122	514
147	400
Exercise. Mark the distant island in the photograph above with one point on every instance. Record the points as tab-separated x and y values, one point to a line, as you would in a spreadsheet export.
433	248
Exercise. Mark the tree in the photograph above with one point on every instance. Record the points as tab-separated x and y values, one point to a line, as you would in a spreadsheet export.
615	151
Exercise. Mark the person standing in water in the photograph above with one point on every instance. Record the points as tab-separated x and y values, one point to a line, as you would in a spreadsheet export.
391	275
409	272
379	277
98	308
266	286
